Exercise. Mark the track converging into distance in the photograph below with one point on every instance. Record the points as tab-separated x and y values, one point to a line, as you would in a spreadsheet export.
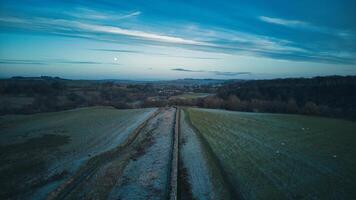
177	153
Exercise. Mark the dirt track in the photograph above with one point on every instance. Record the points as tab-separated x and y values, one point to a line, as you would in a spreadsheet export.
138	169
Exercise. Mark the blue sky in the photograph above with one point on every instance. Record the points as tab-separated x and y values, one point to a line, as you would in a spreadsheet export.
158	39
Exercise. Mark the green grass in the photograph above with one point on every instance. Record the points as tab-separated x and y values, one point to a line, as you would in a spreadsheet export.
277	156
38	150
200	176
191	95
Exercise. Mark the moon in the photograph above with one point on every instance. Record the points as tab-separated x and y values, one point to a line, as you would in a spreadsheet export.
115	59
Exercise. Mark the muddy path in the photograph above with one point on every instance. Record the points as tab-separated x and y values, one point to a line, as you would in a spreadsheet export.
138	169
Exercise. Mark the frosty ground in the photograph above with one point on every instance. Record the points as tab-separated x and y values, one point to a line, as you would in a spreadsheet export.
107	153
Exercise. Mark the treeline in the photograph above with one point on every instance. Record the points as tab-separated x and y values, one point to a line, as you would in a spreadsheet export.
333	96
27	87
54	94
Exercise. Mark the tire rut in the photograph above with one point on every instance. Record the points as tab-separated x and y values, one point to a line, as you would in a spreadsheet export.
94	164
148	174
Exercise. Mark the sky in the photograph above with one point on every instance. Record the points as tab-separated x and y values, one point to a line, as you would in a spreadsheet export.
162	40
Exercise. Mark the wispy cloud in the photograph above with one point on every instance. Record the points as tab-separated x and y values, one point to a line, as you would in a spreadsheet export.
52	61
133	14
223	40
11	19
22	62
297	24
137	34
85	62
86	13
153	53
218	40
221	73
118	50
284	22
218	73
186	70
64	25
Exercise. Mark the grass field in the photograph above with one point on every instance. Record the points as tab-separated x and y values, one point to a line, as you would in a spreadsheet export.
191	95
100	153
38	152
277	156
200	177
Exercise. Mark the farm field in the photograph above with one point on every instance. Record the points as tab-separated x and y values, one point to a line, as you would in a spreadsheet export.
190	95
107	153
199	176
140	169
278	156
39	152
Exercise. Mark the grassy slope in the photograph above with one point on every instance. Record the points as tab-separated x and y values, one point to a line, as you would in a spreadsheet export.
38	150
275	156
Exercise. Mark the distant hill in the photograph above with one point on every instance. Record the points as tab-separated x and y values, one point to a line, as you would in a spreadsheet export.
176	82
188	81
